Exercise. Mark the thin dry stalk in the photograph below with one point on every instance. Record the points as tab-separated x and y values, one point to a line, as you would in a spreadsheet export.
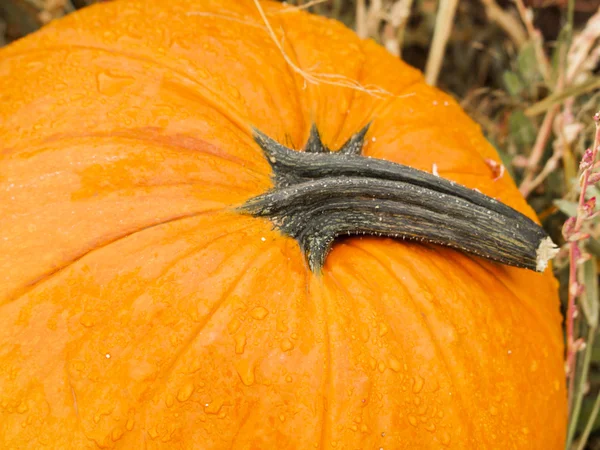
361	19
320	78
530	182
443	26
536	38
505	20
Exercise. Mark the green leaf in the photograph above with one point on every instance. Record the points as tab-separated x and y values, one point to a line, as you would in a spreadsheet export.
521	129
513	83
588	275
527	64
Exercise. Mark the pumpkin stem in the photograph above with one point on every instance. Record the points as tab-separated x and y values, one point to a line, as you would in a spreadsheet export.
320	195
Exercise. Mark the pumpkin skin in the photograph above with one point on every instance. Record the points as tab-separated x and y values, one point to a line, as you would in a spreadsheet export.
139	310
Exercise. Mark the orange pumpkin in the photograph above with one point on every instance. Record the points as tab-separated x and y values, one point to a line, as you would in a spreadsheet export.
142	307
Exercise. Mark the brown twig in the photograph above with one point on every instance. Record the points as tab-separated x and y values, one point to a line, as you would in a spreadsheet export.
537	152
536	38
511	25
443	26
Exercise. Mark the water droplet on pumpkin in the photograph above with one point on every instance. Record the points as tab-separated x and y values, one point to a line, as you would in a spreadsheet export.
153	433
112	84
383	329
381	366
170	400
129	424
246	372
234	325
418	384
286	345
430	427
240	343
117	434
86	320
22	408
288	379
493	410
445	438
185	392
259	313
412	420
214	407
395	365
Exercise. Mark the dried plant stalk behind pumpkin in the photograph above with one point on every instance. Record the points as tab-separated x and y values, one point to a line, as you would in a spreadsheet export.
320	195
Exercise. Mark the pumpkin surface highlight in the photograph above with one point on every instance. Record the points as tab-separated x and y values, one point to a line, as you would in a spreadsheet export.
142	310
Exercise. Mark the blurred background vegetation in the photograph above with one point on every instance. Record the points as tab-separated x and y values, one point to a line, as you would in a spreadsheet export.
528	71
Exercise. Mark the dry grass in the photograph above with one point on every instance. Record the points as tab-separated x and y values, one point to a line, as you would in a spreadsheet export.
531	78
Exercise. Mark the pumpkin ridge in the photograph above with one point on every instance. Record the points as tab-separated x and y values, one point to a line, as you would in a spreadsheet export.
327	386
34	283
206	320
171	141
432	336
532	311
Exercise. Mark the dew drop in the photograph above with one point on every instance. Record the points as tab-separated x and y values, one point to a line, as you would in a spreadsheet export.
430	427
240	343
111	84
383	329
246	372
234	325
214	407
170	400
288	378
259	313
185	392
445	438
117	434
286	345
412	420
22	408
418	384
381	366
86	320
129	424
395	365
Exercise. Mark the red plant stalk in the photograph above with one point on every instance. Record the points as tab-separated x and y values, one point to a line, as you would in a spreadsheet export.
573	235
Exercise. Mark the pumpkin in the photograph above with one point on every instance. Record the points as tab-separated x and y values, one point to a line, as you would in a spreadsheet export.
154	294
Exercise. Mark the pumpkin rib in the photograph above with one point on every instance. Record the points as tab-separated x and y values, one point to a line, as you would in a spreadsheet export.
432	337
168	141
507	290
327	389
227	112
482	286
160	379
527	307
32	285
